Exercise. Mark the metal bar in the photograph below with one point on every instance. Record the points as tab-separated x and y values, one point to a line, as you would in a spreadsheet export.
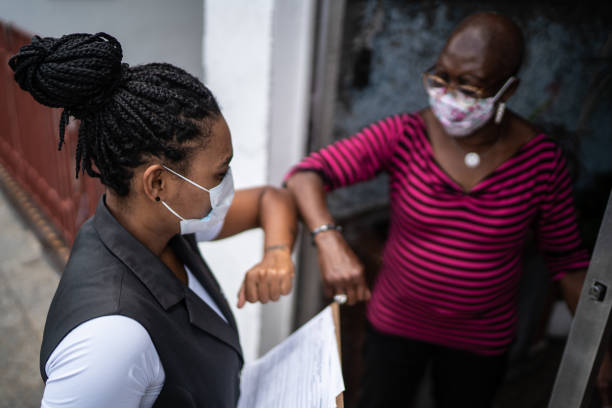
590	329
327	67
328	51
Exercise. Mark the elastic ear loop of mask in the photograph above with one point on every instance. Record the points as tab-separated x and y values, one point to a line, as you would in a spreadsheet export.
499	93
172	211
186	179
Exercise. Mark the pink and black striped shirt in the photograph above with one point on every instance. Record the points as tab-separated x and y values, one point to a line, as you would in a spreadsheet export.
453	260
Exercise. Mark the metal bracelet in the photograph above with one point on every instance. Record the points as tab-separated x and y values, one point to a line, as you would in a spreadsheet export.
323	228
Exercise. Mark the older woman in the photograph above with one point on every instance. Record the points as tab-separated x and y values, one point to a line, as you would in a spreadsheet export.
468	180
138	319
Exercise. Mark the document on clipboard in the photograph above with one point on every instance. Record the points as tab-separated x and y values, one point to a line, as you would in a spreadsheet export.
303	371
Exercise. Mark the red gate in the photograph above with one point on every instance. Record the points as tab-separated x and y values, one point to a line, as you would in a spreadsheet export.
29	134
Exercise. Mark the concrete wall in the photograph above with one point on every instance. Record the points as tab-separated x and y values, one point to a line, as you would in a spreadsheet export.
148	30
237	43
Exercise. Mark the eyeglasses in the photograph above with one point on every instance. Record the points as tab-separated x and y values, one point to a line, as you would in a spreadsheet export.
434	81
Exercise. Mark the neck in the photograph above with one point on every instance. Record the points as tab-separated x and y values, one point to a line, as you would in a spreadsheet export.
481	138
136	222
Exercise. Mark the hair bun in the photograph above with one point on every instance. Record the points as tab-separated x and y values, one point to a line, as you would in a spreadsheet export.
78	72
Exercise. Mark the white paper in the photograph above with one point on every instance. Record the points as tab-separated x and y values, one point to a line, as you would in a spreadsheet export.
301	372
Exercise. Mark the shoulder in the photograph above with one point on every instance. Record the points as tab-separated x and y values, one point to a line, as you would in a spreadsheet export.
95	340
106	355
535	141
106	361
89	249
521	129
397	122
526	133
400	126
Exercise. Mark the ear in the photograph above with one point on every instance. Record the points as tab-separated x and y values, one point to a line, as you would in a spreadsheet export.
154	182
511	90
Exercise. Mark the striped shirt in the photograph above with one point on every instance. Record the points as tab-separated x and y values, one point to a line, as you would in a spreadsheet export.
453	260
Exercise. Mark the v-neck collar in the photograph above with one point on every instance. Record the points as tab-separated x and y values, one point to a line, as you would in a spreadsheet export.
483	182
187	251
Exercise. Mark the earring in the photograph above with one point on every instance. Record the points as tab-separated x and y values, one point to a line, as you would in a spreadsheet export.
501	108
156	198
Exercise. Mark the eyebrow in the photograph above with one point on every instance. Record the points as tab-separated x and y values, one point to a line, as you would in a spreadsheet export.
474	76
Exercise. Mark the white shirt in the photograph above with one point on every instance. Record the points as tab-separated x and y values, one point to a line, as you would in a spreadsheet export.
109	361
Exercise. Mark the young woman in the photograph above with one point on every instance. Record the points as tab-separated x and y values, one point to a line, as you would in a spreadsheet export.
138	319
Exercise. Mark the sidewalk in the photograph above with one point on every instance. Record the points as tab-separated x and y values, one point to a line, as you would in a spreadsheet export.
27	283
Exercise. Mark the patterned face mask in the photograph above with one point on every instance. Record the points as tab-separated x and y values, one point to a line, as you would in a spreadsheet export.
461	115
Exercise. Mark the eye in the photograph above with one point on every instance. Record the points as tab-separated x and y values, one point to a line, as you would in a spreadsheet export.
434	81
469	91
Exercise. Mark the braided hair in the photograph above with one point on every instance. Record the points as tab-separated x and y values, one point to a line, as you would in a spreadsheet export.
127	114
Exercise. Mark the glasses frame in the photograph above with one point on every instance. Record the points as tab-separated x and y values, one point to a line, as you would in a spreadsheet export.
472	91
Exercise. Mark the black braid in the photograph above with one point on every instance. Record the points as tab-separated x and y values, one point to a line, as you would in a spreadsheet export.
127	113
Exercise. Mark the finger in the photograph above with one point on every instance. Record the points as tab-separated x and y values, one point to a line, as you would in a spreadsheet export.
263	292
241	296
251	288
360	292
351	295
274	287
365	291
286	284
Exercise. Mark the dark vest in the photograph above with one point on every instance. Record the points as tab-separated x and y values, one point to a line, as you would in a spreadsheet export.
111	273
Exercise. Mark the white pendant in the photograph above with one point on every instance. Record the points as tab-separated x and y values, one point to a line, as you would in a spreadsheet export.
472	159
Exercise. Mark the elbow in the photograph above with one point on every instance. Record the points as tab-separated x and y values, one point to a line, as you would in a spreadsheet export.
280	196
274	201
303	179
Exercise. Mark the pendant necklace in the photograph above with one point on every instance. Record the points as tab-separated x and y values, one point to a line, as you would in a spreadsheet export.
472	159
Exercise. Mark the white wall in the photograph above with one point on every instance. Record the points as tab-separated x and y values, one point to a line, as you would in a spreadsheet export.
257	63
293	36
237	47
148	30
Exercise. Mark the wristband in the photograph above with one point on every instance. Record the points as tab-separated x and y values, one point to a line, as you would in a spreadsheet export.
273	247
323	228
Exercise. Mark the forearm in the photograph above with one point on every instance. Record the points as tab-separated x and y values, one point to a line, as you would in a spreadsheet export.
278	218
309	193
341	270
571	286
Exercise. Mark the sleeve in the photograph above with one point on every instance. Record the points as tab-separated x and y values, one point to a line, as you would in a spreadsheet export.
108	361
557	231
357	158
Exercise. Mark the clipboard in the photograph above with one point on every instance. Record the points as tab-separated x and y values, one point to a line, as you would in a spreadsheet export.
335	308
277	379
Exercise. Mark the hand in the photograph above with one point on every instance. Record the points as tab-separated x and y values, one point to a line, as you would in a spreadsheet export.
604	381
269	279
341	270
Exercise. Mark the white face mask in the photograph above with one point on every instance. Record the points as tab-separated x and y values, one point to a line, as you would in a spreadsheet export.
221	197
461	115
